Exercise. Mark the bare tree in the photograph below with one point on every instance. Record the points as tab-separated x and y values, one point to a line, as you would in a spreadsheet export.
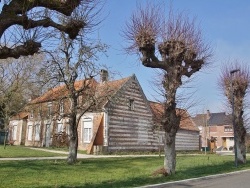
72	67
16	85
234	82
27	25
174	45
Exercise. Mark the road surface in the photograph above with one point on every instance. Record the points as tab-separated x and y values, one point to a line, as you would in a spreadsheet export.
239	179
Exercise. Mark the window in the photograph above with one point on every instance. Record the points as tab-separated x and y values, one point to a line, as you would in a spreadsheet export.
67	129
131	105
14	136
87	130
32	114
59	127
37	132
49	108
29	132
228	129
61	109
231	138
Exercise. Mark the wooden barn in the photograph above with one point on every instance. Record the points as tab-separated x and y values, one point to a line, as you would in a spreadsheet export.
123	122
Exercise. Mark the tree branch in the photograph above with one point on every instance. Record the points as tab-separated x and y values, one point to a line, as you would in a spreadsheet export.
28	48
15	13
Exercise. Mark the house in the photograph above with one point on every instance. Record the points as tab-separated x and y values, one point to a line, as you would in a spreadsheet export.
216	130
123	120
188	134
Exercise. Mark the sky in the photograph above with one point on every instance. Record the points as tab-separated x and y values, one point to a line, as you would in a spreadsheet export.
225	25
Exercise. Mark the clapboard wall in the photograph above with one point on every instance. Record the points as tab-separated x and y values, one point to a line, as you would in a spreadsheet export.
130	129
187	140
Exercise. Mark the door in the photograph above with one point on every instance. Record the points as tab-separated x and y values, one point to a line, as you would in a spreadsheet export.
47	135
224	143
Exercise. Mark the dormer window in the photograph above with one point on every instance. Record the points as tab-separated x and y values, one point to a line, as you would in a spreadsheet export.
61	109
32	114
131	104
49	108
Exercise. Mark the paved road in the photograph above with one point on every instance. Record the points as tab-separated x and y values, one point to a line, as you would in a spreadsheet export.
239	179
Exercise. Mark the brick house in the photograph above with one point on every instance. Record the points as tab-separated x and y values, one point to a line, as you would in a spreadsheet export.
216	130
123	121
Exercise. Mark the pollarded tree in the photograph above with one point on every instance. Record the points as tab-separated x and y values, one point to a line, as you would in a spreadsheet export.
174	45
234	82
27	25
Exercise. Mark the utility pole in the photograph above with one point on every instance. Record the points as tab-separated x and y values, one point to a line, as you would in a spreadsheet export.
234	126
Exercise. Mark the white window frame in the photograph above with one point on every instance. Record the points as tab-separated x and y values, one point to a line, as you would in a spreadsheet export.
59	127
228	128
87	130
49	108
14	132
61	107
30	129
37	132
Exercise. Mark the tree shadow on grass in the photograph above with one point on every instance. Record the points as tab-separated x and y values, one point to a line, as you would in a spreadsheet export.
102	172
192	172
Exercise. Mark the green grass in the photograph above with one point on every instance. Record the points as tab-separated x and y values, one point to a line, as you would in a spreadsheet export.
20	151
109	172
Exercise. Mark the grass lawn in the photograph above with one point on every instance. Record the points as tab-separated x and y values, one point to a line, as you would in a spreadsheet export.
109	172
20	151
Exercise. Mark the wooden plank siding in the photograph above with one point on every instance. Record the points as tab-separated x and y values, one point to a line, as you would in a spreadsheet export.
187	140
130	129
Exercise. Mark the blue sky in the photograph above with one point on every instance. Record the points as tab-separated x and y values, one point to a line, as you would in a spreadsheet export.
225	25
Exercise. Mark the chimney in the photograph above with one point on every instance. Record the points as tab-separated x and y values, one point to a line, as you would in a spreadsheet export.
208	114
104	75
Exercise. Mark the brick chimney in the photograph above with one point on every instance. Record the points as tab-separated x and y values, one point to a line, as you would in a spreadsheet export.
104	75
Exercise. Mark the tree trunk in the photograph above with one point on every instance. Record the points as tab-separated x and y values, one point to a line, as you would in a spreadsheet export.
171	125
73	142
170	153
241	150
240	139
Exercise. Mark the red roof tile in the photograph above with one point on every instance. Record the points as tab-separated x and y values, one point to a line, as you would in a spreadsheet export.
186	122
103	90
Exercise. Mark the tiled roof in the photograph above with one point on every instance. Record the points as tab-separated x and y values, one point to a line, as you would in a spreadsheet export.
200	119
213	119
102	90
105	91
61	91
219	119
186	122
21	115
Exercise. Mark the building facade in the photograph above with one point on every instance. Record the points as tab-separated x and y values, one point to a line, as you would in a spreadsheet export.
122	122
216	130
